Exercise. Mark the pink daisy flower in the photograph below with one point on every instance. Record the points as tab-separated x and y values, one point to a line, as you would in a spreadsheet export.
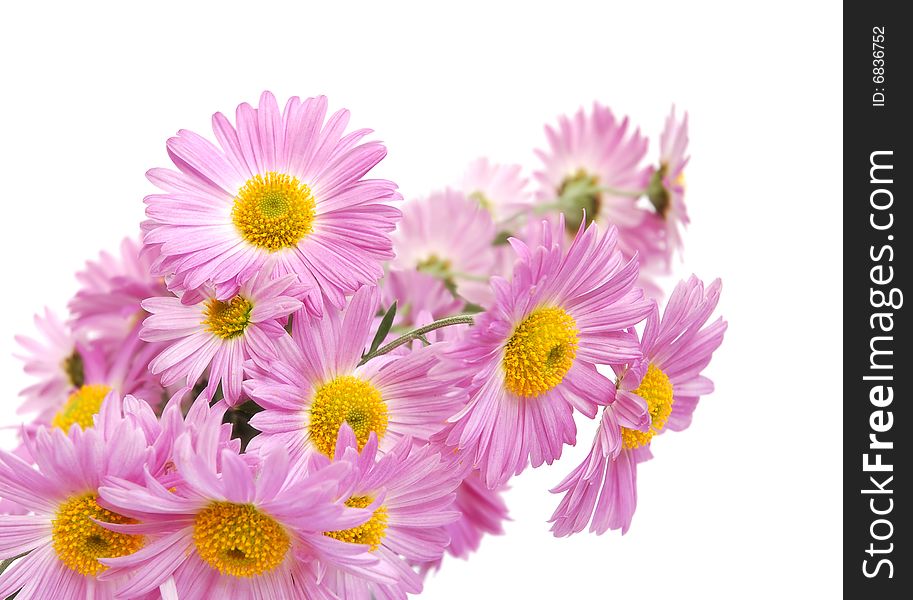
54	361
593	165
410	493
61	541
668	384
450	237
501	189
76	375
316	385
219	334
533	354
284	193
250	530
667	183
111	293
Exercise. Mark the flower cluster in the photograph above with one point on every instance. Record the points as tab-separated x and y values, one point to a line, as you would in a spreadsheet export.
294	385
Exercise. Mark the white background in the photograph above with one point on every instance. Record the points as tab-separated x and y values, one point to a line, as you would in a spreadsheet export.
744	504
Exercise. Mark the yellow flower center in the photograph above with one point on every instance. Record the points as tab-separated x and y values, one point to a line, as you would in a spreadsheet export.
274	211
79	542
239	540
371	532
227	319
540	352
346	399
656	389
73	367
81	406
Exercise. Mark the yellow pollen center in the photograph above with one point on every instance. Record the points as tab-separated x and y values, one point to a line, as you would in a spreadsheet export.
371	532
239	540
346	399
540	352
81	406
656	389
274	211
79	542
227	319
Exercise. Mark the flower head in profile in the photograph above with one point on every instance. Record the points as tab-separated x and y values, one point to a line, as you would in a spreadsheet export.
448	236
245	527
593	168
218	334
667	182
62	543
665	386
54	360
499	188
317	384
283	192
410	491
533	354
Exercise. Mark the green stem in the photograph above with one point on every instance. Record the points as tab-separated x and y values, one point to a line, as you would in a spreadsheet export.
417	334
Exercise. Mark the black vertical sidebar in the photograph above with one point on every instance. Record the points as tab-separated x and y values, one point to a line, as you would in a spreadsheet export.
878	378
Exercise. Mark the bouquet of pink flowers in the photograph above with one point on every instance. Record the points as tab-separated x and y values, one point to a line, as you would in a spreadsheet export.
297	386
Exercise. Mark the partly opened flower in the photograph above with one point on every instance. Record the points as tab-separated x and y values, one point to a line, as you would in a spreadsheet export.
450	237
410	491
316	385
248	531
533	354
668	383
61	540
282	193
220	334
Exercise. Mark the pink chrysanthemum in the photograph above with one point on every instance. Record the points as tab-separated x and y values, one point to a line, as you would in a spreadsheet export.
283	194
111	293
316	385
533	354
54	361
450	237
667	382
594	165
76	375
242	527
219	334
410	491
501	189
61	538
667	183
